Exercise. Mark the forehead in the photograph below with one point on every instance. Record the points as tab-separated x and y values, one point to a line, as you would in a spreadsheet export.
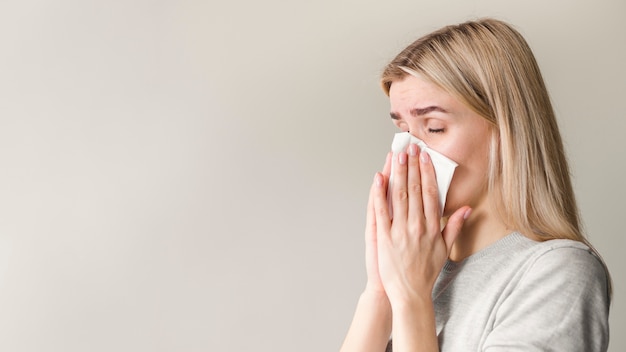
413	90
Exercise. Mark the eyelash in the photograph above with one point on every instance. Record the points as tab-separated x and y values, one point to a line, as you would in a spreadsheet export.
435	130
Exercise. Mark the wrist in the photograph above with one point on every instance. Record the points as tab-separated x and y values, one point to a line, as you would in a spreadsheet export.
376	303
411	303
374	298
413	321
374	290
371	325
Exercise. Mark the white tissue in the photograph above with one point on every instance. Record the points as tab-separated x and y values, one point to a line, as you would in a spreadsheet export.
444	167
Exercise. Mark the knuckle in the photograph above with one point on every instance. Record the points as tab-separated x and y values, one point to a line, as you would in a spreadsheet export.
431	191
415	228
415	188
403	194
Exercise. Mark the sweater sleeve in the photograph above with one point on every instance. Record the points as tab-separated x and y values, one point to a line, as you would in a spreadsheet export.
560	304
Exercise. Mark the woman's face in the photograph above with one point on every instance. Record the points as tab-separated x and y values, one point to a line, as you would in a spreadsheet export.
449	127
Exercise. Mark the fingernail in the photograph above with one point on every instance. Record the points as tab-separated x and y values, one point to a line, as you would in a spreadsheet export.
402	158
468	212
424	157
378	179
413	149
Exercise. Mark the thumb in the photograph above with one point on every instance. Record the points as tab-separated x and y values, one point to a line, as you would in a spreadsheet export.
455	224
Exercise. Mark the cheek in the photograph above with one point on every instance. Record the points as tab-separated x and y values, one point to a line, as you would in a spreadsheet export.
469	183
466	188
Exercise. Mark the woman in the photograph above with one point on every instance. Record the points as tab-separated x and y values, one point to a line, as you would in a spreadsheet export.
511	269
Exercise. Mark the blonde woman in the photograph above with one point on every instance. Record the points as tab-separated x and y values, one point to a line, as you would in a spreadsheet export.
511	269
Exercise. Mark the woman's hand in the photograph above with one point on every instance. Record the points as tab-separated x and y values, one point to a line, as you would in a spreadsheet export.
403	258
371	325
374	283
410	249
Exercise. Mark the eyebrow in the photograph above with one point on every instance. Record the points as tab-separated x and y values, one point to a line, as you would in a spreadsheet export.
419	111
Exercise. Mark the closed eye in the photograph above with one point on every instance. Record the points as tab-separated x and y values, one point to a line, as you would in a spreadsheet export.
435	130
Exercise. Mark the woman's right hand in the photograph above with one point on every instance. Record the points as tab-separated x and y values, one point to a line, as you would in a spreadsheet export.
374	284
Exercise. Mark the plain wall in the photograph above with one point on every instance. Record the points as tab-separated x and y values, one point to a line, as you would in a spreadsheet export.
192	175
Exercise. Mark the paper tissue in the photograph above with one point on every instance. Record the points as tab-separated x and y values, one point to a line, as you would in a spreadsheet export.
444	167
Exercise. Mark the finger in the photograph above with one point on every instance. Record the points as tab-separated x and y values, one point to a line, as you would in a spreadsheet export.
399	193
370	220
414	185
387	167
430	193
371	245
453	227
381	207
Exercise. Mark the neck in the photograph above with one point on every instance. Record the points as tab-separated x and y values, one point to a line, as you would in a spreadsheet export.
480	230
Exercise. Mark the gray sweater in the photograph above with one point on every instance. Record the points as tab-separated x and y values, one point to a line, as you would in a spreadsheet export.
522	295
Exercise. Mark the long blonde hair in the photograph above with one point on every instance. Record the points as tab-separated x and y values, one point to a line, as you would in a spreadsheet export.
489	66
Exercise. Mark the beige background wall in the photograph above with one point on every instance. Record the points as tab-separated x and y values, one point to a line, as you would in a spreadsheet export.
192	175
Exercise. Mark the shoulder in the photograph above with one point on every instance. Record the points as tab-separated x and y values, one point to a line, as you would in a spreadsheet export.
571	261
528	260
569	268
560	298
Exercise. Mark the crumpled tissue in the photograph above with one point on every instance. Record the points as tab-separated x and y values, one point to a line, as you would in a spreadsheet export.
444	167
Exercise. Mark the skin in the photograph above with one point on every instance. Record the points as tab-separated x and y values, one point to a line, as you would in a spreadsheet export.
405	255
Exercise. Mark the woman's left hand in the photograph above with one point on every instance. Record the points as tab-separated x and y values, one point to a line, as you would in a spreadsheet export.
412	248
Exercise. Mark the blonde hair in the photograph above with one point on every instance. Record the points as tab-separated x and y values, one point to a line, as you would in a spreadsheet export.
488	65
